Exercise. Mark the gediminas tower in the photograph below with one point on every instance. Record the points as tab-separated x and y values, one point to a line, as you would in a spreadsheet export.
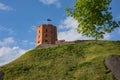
46	34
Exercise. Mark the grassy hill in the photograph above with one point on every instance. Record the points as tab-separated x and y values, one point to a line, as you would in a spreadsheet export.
81	61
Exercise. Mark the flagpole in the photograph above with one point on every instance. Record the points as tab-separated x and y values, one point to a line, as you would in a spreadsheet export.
48	20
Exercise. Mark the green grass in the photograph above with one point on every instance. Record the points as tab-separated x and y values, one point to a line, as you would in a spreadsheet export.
81	61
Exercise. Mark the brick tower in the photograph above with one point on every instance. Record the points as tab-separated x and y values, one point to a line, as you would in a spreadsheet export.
46	34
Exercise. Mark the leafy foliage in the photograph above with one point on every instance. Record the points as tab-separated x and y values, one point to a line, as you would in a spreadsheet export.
94	17
83	61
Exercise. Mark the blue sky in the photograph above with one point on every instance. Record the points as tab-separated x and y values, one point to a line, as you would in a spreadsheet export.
19	19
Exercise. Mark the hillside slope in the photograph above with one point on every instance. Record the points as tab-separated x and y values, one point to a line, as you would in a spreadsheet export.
81	61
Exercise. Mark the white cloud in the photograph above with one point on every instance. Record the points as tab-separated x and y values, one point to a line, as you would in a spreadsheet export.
7	41
71	35
5	7
107	36
50	2
8	30
32	28
26	42
8	53
69	32
68	23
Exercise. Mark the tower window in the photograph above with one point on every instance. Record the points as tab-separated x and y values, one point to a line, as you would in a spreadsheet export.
39	36
38	41
46	41
39	31
46	30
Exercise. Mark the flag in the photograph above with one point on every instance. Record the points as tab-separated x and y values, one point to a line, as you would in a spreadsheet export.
49	19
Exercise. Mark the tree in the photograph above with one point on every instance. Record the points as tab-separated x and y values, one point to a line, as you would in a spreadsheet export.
94	17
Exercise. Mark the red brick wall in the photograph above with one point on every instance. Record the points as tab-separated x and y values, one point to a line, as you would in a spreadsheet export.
46	34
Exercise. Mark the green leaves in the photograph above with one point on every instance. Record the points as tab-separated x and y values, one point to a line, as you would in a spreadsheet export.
94	17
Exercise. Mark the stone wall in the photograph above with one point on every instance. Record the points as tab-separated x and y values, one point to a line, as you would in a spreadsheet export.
60	43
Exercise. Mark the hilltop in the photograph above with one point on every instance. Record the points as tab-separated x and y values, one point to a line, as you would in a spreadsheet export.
81	61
